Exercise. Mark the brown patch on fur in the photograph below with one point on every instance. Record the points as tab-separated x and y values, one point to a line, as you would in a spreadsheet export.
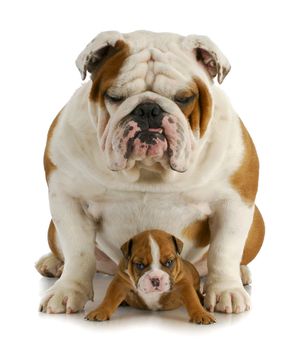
187	108
108	70
205	106
254	239
134	300
49	166
192	113
52	241
194	117
199	111
198	232
245	179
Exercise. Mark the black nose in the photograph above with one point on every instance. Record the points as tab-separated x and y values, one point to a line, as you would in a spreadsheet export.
148	115
155	282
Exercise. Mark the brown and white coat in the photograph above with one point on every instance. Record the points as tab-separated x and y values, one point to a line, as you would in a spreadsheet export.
153	276
197	180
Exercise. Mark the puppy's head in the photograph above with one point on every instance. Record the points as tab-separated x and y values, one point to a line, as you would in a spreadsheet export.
150	98
152	261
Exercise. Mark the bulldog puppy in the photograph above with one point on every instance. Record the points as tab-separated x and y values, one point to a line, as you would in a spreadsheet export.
150	141
153	276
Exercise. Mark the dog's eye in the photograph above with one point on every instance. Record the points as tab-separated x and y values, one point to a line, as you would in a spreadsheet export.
169	263
114	98
139	266
183	100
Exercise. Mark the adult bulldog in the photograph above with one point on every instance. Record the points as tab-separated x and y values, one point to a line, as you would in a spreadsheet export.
150	142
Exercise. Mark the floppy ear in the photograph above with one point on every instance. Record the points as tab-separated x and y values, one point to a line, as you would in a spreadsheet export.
178	244
126	249
95	51
209	54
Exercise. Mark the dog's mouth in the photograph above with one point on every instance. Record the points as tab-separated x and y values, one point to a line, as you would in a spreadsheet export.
166	144
147	286
147	143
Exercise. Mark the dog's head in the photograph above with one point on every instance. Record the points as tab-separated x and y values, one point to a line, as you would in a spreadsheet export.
150	98
152	261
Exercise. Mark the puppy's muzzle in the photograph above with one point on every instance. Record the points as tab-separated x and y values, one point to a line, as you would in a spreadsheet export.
155	282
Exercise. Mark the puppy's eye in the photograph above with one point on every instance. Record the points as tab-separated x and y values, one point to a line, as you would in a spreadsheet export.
183	100
114	98
139	266
169	263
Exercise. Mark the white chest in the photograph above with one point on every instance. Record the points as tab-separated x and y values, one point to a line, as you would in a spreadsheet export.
124	214
151	300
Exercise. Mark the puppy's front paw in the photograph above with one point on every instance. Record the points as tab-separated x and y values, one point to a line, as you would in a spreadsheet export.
226	297
66	297
99	314
202	318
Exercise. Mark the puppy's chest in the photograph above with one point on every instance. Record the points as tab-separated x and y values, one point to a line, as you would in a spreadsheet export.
154	301
149	301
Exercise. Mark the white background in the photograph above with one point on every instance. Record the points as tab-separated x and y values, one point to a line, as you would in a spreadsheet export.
40	41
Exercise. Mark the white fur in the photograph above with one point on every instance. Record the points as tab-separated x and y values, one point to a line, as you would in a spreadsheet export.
145	290
229	227
151	299
75	285
155	254
144	195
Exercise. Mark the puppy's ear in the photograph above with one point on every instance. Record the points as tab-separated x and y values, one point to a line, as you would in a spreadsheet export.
96	51
126	249
209	55
178	244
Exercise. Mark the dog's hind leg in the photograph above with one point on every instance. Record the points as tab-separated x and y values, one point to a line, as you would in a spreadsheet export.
245	275
51	265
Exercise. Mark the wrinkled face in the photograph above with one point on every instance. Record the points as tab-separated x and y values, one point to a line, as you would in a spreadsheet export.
151	107
153	262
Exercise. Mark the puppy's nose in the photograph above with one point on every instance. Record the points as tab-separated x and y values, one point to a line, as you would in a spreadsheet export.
155	282
148	115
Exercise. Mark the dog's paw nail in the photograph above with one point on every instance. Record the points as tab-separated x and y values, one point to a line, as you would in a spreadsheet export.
69	310
228	310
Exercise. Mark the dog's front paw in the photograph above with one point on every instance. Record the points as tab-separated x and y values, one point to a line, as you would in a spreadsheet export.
66	297
99	314
200	317
227	297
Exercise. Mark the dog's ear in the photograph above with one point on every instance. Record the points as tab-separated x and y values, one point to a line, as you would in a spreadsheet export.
95	51
209	54
126	249
178	244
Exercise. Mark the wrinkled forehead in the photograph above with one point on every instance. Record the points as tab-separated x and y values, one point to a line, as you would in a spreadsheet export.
152	246
141	250
157	65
